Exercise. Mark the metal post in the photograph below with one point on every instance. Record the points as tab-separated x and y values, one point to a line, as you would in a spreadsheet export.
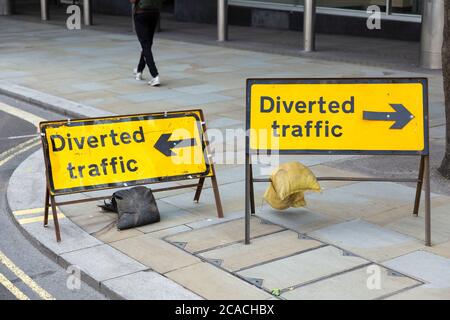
87	12
388	7
247	196
45	14
432	34
222	20
427	200
419	186
5	7
309	19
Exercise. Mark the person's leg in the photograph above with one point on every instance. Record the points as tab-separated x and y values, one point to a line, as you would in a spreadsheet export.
151	22
141	65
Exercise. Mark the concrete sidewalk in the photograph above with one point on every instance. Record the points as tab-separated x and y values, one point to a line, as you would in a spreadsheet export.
333	243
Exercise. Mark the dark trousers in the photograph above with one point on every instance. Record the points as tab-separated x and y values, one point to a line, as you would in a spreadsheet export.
145	25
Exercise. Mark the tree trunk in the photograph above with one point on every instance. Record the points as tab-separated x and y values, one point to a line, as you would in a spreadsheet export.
445	166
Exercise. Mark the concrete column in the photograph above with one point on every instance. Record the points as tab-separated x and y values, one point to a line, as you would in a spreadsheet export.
5	7
432	34
45	13
309	21
87	12
222	20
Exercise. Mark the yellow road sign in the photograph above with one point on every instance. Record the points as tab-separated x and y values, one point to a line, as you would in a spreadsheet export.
90	154
342	116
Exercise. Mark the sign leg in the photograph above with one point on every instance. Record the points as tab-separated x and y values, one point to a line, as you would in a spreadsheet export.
427	201
201	181
419	187
252	193
55	219
46	206
247	200
217	196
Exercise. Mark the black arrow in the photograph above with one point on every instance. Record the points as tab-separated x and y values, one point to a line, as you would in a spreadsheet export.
165	146
401	116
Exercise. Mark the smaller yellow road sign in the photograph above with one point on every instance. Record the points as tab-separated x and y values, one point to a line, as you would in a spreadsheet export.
345	116
98	153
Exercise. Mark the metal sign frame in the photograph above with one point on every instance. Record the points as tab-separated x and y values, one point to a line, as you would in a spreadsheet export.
51	193
423	179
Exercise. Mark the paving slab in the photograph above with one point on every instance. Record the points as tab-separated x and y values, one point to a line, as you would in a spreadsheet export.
155	253
368	240
422	293
212	221
73	237
169	231
442	249
110	233
148	285
103	262
299	219
95	221
171	216
415	226
366	198
303	268
353	285
212	283
221	234
429	267
263	249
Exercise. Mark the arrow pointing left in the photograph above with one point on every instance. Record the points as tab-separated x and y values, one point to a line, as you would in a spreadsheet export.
165	146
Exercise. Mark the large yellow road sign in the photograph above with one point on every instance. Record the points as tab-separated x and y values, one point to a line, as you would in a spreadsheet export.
366	116
90	154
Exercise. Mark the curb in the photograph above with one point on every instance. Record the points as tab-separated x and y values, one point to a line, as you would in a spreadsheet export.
49	102
35	183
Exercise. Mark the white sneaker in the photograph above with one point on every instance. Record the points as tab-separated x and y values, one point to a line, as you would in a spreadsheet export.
135	71
154	82
139	76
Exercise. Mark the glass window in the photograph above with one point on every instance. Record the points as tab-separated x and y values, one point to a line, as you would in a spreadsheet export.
352	4
407	6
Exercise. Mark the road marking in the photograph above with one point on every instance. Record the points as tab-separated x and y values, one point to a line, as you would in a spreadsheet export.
21	148
31	211
12	288
21	114
25	278
20	137
39	219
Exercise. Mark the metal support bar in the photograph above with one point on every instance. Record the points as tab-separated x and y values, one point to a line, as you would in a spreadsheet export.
427	200
309	21
362	179
419	187
248	183
45	12
432	34
87	12
222	20
55	218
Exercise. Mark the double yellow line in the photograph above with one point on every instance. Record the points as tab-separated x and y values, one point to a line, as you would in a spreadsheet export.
42	293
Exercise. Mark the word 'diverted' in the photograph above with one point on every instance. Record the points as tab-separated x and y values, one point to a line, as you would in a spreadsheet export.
120	151
106	166
309	128
337	115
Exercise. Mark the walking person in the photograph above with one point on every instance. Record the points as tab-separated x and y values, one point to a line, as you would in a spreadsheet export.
146	17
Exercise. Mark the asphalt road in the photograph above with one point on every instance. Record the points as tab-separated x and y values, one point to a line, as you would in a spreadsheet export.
46	278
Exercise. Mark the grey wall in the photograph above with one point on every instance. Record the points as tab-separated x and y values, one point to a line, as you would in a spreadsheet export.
114	7
5	7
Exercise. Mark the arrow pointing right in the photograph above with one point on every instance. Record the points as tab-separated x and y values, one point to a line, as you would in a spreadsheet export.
401	116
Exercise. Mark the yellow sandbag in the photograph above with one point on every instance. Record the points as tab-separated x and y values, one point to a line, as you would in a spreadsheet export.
295	200
293	177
